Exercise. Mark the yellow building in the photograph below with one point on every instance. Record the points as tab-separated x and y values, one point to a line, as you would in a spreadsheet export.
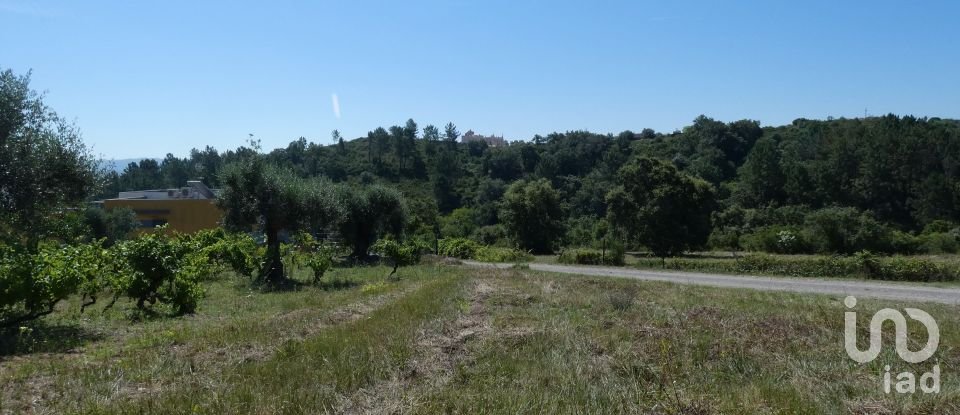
184	210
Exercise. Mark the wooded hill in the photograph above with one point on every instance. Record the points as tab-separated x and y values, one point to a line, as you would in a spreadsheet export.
840	185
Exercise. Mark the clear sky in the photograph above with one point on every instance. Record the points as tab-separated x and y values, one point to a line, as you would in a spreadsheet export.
142	79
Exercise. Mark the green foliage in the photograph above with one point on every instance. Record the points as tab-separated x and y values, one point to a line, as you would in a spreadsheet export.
491	235
369	212
238	251
162	270
31	284
588	256
319	262
458	224
913	269
776	239
860	265
728	229
939	243
45	168
273	199
111	225
893	168
462	248
846	230
532	215
939	226
401	254
580	231
499	254
661	208
314	254
761	177
469	249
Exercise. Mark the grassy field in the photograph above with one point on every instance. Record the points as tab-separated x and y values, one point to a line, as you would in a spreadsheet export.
463	340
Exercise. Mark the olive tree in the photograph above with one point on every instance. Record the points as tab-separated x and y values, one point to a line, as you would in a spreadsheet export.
45	168
272	199
368	212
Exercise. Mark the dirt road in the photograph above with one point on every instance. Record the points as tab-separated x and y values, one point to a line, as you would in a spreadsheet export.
842	287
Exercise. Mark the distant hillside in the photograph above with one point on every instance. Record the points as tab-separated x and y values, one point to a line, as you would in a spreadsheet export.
888	172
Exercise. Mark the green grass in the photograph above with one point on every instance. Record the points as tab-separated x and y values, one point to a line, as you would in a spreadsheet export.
452	339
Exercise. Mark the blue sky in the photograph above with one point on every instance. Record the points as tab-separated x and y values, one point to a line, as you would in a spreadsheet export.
142	79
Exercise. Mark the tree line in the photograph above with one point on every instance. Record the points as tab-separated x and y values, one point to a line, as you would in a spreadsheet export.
768	186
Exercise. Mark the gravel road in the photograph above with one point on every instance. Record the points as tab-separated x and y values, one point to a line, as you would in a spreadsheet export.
841	287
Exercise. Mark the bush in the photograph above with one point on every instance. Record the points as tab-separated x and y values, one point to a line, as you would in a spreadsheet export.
458	247
775	239
32	284
458	224
163	270
847	230
490	235
914	269
939	226
861	265
237	251
319	261
586	256
580	230
401	254
939	243
819	267
495	254
463	248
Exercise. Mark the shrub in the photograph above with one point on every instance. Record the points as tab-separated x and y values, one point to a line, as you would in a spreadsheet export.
163	270
458	224
238	251
902	243
622	300
847	230
939	243
32	284
939	226
904	269
615	253
725	239
490	235
458	247
401	254
580	230
587	256
319	261
775	239
495	254
862	265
